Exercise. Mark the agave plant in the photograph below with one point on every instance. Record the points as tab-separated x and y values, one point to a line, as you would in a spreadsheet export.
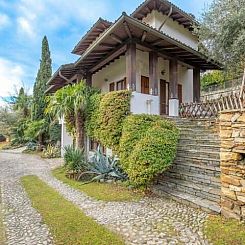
103	167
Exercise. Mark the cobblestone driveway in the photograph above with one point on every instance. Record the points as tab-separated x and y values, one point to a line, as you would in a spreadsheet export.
150	221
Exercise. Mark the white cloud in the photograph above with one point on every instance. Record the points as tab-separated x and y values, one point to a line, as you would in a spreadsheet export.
4	21
11	75
33	17
26	27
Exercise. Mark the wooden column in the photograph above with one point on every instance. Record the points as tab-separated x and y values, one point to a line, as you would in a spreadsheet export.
89	79
153	72
79	78
173	77
196	84
131	65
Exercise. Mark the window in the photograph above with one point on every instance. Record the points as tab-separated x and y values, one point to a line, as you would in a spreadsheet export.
122	84
145	88
112	87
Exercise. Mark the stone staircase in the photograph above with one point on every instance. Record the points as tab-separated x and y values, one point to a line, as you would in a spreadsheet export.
194	177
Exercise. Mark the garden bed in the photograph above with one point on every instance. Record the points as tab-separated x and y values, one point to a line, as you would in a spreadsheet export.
100	191
67	223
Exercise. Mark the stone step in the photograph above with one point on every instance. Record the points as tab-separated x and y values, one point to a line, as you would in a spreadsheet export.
187	168
198	161
209	192
199	165
205	180
190	145
198	153
188	199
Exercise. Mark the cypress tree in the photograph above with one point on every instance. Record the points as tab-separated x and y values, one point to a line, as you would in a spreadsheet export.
40	86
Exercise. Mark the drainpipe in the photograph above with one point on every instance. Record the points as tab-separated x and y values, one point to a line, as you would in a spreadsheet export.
166	18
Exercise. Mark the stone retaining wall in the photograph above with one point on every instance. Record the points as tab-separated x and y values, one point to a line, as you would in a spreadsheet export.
232	134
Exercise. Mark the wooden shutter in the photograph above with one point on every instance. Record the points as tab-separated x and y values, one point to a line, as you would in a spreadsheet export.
112	87
164	97
145	88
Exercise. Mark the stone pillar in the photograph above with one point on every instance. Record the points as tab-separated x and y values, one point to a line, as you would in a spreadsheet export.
173	89
153	72
232	134
131	65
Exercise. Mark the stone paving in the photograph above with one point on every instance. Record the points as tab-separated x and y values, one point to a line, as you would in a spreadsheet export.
149	221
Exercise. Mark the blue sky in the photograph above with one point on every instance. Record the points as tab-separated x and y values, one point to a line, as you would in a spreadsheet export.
23	23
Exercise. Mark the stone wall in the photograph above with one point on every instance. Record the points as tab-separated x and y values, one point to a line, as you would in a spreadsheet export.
232	134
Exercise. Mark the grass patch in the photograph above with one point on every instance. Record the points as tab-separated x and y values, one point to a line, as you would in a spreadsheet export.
67	223
221	231
100	191
2	230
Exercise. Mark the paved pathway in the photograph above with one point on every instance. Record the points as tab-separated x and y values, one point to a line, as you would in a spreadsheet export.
150	221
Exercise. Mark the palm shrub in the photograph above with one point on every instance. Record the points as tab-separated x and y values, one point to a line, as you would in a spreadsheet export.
72	103
147	147
75	159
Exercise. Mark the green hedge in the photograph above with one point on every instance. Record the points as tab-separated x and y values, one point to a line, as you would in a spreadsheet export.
147	147
106	115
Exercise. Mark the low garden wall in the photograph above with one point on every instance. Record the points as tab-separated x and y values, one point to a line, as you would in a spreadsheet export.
232	134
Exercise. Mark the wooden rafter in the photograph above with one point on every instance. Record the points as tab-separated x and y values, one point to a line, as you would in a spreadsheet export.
127	29
116	38
143	36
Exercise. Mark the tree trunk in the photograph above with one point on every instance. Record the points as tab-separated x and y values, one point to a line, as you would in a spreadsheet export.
79	130
40	142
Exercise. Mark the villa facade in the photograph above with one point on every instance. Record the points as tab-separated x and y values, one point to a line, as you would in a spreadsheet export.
153	52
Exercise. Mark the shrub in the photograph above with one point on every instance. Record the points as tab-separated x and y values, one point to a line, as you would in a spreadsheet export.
105	117
92	125
54	132
147	147
135	128
75	159
114	107
51	152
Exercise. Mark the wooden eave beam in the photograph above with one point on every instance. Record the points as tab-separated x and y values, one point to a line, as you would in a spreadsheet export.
127	29
111	56
116	38
159	41
106	45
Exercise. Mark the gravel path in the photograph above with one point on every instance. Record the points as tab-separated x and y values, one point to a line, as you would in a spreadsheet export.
150	221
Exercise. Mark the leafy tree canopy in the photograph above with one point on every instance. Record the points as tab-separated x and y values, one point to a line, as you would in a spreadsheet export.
222	33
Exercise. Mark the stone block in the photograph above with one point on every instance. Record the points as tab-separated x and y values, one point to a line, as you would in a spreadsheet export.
227	144
235	188
230	180
242	182
225	133
235	117
226	117
230	214
241	118
236	133
227	203
243	211
241	199
228	193
227	156
242	132
240	140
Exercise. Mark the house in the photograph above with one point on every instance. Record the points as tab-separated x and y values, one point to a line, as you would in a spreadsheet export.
152	52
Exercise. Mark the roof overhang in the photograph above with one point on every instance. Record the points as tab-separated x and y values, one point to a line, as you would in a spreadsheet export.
99	27
126	29
164	6
66	74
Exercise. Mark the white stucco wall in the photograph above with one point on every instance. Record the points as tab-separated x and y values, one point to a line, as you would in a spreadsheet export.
171	28
66	139
144	103
114	72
